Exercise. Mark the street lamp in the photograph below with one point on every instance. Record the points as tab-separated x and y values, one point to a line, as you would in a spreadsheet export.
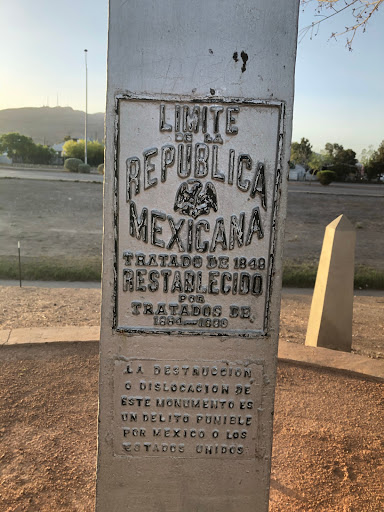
86	106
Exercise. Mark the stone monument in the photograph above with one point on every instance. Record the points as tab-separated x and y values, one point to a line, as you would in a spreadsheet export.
330	319
198	127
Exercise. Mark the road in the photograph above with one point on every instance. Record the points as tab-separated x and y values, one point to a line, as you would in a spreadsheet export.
341	189
49	175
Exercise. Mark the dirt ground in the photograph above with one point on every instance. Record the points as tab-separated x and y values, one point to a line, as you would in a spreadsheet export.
50	218
44	307
328	446
64	219
309	214
328	436
367	325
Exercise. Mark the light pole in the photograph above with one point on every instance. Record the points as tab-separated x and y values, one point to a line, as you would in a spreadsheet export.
86	106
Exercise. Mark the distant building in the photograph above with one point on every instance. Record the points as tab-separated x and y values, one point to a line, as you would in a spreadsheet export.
298	173
58	148
59	157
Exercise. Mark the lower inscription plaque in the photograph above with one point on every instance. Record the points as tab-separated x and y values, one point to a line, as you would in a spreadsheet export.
183	409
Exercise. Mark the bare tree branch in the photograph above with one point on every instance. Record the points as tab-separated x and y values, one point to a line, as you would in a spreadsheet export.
361	13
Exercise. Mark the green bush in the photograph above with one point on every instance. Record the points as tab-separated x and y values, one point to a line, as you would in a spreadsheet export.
100	169
326	177
72	164
76	149
86	168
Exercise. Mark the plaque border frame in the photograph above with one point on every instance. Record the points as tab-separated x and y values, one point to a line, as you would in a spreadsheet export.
171	98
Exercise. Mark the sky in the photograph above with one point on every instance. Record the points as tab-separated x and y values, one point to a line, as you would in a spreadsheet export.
338	93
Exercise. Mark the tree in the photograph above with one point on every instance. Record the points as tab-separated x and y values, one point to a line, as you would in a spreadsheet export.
379	154
74	149
366	155
338	155
42	155
330	148
301	152
375	166
341	161
18	147
318	161
361	12
345	156
22	149
95	151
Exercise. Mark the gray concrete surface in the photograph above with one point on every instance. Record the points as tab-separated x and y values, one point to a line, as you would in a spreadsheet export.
49	175
339	189
304	187
51	284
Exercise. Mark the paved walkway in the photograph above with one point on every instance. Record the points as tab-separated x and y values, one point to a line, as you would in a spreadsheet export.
310	356
303	187
339	189
52	284
50	175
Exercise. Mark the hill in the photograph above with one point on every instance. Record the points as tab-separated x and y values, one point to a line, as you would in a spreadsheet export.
48	125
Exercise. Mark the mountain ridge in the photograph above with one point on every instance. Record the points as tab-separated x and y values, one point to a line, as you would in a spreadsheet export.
49	125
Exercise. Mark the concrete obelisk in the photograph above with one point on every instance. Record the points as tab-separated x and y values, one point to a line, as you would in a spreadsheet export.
198	127
330	319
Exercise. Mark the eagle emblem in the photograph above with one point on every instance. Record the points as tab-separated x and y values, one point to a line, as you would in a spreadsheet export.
193	200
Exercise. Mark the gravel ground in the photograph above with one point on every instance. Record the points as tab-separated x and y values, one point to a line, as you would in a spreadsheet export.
45	307
64	219
328	435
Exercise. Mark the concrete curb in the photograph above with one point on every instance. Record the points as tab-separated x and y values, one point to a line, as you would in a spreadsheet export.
289	352
49	335
333	359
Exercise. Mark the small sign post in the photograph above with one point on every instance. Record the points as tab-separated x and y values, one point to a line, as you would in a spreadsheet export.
198	125
19	255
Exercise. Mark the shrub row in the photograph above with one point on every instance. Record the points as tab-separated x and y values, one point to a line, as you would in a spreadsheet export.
77	165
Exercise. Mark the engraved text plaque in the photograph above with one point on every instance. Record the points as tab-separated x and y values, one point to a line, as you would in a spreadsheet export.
196	184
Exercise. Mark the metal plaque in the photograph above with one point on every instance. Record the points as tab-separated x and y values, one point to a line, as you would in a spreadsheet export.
196	183
175	408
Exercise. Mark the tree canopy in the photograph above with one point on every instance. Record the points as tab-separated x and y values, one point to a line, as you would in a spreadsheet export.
339	160
333	157
366	154
22	149
301	152
339	155
76	149
319	161
375	165
16	146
